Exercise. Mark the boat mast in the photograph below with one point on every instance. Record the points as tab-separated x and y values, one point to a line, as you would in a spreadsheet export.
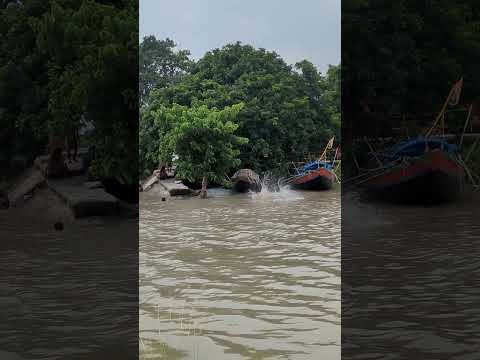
323	157
452	100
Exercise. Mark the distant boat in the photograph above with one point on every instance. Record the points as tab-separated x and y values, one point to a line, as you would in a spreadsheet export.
421	170
316	175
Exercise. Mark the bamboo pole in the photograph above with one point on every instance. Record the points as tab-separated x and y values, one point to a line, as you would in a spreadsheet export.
466	124
444	107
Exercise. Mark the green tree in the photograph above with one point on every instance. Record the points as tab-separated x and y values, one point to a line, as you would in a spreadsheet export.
23	82
407	54
203	139
332	96
402	57
92	71
61	60
284	116
159	65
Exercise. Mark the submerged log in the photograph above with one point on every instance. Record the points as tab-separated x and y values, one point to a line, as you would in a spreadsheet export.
245	180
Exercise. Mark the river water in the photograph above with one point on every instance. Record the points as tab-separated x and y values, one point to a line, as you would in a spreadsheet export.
245	276
410	280
68	294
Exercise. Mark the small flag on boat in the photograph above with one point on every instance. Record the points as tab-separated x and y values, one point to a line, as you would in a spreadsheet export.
455	93
338	153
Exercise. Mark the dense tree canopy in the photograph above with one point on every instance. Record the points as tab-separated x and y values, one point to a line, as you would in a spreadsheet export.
159	65
405	55
399	62
23	82
64	60
287	112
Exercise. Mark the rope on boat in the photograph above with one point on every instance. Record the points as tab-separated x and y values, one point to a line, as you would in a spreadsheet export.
469	173
471	150
371	177
339	180
373	151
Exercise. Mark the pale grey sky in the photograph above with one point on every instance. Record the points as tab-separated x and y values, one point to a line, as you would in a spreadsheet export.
296	30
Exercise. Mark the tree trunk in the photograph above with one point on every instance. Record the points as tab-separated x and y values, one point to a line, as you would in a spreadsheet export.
203	192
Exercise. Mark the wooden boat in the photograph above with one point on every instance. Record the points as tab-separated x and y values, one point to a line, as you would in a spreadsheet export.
422	170
425	170
316	175
245	180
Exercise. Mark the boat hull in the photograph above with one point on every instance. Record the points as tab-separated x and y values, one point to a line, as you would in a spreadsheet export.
433	178
321	179
241	186
245	180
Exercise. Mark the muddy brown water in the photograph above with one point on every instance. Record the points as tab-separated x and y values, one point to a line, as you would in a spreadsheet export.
240	276
67	294
410	280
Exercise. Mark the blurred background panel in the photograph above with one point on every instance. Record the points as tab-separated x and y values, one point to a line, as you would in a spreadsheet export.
68	179
410	179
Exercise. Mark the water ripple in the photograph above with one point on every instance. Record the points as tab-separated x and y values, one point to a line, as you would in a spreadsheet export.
410	281
253	276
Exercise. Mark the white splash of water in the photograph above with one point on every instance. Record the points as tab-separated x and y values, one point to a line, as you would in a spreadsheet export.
276	193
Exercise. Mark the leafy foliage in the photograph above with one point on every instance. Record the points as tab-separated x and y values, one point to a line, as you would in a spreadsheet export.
203	139
23	82
402	58
65	60
407	54
286	113
159	65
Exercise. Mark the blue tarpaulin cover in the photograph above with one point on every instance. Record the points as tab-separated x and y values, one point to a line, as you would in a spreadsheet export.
314	165
417	147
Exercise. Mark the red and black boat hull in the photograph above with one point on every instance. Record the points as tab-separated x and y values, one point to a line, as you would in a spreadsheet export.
433	178
321	179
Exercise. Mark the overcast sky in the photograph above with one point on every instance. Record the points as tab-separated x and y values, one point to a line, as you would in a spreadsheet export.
297	30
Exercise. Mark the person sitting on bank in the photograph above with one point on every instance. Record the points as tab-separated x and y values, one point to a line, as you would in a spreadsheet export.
163	173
